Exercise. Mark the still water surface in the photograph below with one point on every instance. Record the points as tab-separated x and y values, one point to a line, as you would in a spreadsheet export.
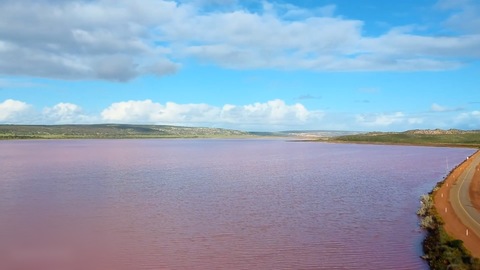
214	204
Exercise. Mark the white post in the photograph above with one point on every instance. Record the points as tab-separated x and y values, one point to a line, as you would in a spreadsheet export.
466	232
442	195
445	209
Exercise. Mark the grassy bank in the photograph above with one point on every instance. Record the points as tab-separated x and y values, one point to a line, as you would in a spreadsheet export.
456	138
441	250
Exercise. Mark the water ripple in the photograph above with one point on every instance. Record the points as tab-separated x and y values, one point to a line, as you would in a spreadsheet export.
215	204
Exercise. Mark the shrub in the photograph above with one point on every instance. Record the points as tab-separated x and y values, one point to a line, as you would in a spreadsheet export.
441	250
426	204
427	223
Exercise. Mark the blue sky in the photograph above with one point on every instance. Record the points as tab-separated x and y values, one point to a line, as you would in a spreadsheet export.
252	65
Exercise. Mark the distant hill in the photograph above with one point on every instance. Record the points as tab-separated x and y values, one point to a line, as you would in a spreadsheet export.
441	131
438	137
113	131
451	137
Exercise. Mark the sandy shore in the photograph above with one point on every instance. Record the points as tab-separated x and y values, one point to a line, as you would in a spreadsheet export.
453	224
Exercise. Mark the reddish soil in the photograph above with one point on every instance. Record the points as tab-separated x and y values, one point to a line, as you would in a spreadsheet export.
453	225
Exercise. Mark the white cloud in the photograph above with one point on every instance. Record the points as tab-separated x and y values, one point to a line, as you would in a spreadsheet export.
465	16
14	111
257	115
270	115
120	40
380	119
19	112
147	111
249	40
416	120
272	112
314	41
468	120
262	116
66	113
128	111
83	39
438	108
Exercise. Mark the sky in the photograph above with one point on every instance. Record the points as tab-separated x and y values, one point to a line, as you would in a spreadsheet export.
365	65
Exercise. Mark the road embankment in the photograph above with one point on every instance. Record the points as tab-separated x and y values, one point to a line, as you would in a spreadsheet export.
454	206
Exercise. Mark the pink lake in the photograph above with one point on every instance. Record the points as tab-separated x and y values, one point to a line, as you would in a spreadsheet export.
214	204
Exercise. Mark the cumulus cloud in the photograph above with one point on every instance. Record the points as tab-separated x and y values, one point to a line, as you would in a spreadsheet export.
120	40
14	111
19	112
381	119
269	116
66	113
449	118
399	121
271	113
468	120
147	111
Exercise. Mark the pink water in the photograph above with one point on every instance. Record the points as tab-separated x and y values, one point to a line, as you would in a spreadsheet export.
213	204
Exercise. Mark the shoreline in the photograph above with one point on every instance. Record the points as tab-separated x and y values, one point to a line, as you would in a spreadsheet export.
452	145
449	241
454	226
242	137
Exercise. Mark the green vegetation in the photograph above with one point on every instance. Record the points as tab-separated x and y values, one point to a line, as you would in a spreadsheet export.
113	131
441	250
417	137
124	131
